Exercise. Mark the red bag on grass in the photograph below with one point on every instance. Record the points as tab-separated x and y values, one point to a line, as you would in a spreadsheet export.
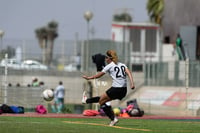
90	112
41	109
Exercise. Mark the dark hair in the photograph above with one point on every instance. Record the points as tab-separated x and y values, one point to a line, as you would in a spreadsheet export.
60	83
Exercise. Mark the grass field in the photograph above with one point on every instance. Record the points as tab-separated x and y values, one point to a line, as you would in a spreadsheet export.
13	124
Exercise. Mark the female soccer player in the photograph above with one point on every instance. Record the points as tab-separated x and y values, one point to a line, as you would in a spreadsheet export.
118	90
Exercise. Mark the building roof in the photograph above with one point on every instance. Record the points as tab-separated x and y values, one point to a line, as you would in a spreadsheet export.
135	25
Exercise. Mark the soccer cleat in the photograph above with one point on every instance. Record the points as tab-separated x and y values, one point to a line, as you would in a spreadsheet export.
114	122
84	98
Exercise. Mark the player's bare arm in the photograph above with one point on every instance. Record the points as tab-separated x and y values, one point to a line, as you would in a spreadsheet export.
130	78
98	75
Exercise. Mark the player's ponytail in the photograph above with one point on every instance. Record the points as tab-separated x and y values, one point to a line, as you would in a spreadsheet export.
112	55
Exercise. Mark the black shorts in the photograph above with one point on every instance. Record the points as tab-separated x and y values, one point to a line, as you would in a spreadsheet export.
117	92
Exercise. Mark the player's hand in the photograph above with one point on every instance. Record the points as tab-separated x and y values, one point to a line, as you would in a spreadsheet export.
85	77
133	87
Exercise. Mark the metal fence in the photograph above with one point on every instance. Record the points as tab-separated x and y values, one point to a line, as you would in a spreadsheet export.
63	68
178	73
168	74
76	52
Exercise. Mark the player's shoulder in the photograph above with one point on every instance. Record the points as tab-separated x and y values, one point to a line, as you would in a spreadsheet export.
111	64
121	64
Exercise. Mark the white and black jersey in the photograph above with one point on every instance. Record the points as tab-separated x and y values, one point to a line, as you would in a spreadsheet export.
118	74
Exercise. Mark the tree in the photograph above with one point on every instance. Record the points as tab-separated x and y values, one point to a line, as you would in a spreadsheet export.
155	10
41	34
46	36
9	50
123	17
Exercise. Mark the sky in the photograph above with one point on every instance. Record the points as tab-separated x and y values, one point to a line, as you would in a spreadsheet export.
20	18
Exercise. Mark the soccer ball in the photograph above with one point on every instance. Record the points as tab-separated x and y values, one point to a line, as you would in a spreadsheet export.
48	95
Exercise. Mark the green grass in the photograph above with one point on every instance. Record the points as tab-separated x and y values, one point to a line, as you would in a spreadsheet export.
91	125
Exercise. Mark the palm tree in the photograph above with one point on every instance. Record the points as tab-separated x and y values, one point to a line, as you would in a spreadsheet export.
123	17
41	34
51	35
46	36
155	10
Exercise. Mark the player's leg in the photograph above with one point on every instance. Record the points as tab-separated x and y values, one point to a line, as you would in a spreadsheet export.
93	100
53	108
59	105
85	99
107	108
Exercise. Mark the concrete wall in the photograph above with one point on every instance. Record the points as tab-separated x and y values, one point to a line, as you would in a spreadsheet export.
170	101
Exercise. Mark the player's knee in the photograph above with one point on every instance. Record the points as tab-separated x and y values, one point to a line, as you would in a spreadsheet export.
101	102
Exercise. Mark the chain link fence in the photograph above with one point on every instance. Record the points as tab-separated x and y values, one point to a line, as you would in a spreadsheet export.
14	89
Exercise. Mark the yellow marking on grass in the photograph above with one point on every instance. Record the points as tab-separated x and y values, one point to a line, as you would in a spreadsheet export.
96	124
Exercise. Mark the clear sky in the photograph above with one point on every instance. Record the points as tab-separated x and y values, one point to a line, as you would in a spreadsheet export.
20	18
